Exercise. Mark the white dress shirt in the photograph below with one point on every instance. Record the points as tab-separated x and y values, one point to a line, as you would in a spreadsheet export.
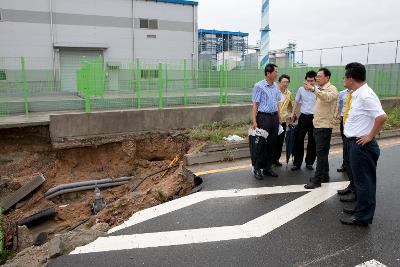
365	108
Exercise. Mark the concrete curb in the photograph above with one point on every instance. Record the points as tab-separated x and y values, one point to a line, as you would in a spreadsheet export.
230	152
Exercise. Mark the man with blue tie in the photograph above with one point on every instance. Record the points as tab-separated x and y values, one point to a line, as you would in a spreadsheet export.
265	115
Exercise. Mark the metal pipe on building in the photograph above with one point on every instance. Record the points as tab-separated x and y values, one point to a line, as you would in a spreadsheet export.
133	30
52	41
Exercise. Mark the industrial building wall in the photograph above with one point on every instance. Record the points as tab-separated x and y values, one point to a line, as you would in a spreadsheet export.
25	29
176	36
98	23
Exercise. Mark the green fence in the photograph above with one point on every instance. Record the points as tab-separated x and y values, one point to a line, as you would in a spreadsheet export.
33	84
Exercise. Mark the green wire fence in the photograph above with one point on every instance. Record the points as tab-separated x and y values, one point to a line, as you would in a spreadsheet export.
37	84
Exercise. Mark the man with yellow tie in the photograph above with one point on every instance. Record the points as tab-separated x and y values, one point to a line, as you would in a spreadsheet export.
363	119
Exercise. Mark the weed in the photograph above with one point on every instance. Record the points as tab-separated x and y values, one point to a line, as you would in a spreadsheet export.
161	196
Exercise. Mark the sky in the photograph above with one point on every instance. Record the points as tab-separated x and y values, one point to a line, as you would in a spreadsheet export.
313	24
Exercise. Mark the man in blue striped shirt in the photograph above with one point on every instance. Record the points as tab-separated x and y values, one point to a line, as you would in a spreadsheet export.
265	115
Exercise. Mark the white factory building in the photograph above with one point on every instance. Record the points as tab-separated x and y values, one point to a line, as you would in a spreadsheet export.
64	31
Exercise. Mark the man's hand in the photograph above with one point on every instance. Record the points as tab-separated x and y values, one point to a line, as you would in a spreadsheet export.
254	125
308	86
339	117
364	139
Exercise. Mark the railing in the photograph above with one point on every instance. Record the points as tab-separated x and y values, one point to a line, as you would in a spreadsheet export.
32	84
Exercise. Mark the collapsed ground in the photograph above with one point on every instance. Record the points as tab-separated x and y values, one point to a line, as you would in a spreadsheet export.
26	152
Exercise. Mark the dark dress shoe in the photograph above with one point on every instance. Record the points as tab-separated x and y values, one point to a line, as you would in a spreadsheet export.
326	180
341	169
349	211
258	174
312	185
345	191
295	168
310	167
277	163
351	197
270	173
353	221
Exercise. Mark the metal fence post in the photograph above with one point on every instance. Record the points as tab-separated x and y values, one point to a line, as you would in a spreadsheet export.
138	83
226	82
184	83
26	104
166	79
341	55
221	77
368	54
397	49
160	87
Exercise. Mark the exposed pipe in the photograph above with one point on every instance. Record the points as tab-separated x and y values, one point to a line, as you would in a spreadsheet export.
65	186
85	183
84	188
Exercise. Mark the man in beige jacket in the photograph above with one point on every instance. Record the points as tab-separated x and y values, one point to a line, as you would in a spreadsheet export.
324	121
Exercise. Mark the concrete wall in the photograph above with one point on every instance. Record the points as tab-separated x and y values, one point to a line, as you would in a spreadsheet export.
122	122
148	120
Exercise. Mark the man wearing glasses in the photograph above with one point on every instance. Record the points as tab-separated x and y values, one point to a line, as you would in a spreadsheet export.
324	121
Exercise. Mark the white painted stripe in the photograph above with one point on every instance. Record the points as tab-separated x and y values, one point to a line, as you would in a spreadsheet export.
183	202
371	263
255	228
278	217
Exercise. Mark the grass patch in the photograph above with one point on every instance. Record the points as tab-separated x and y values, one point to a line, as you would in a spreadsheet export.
216	131
5	255
393	121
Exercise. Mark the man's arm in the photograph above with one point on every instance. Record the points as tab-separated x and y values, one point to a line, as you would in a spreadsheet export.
339	108
327	95
378	124
279	113
254	114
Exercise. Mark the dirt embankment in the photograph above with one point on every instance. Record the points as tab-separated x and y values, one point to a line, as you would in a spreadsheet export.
26	152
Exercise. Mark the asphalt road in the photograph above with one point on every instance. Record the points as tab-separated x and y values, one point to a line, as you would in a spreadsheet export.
239	221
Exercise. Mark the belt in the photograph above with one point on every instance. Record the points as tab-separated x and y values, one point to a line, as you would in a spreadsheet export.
351	138
268	113
307	115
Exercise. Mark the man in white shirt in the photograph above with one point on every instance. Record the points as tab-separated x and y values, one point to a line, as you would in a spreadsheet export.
364	119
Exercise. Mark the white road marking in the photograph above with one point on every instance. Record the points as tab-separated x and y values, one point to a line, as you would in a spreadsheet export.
255	228
183	202
371	263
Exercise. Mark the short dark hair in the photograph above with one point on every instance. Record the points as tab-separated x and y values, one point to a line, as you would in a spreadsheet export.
310	74
326	72
269	68
284	76
356	71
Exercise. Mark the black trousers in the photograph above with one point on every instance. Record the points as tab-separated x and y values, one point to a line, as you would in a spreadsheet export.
266	148
344	141
305	126
363	160
281	140
323	144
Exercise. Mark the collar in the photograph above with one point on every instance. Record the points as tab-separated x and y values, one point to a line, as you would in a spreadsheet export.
325	86
267	84
360	90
